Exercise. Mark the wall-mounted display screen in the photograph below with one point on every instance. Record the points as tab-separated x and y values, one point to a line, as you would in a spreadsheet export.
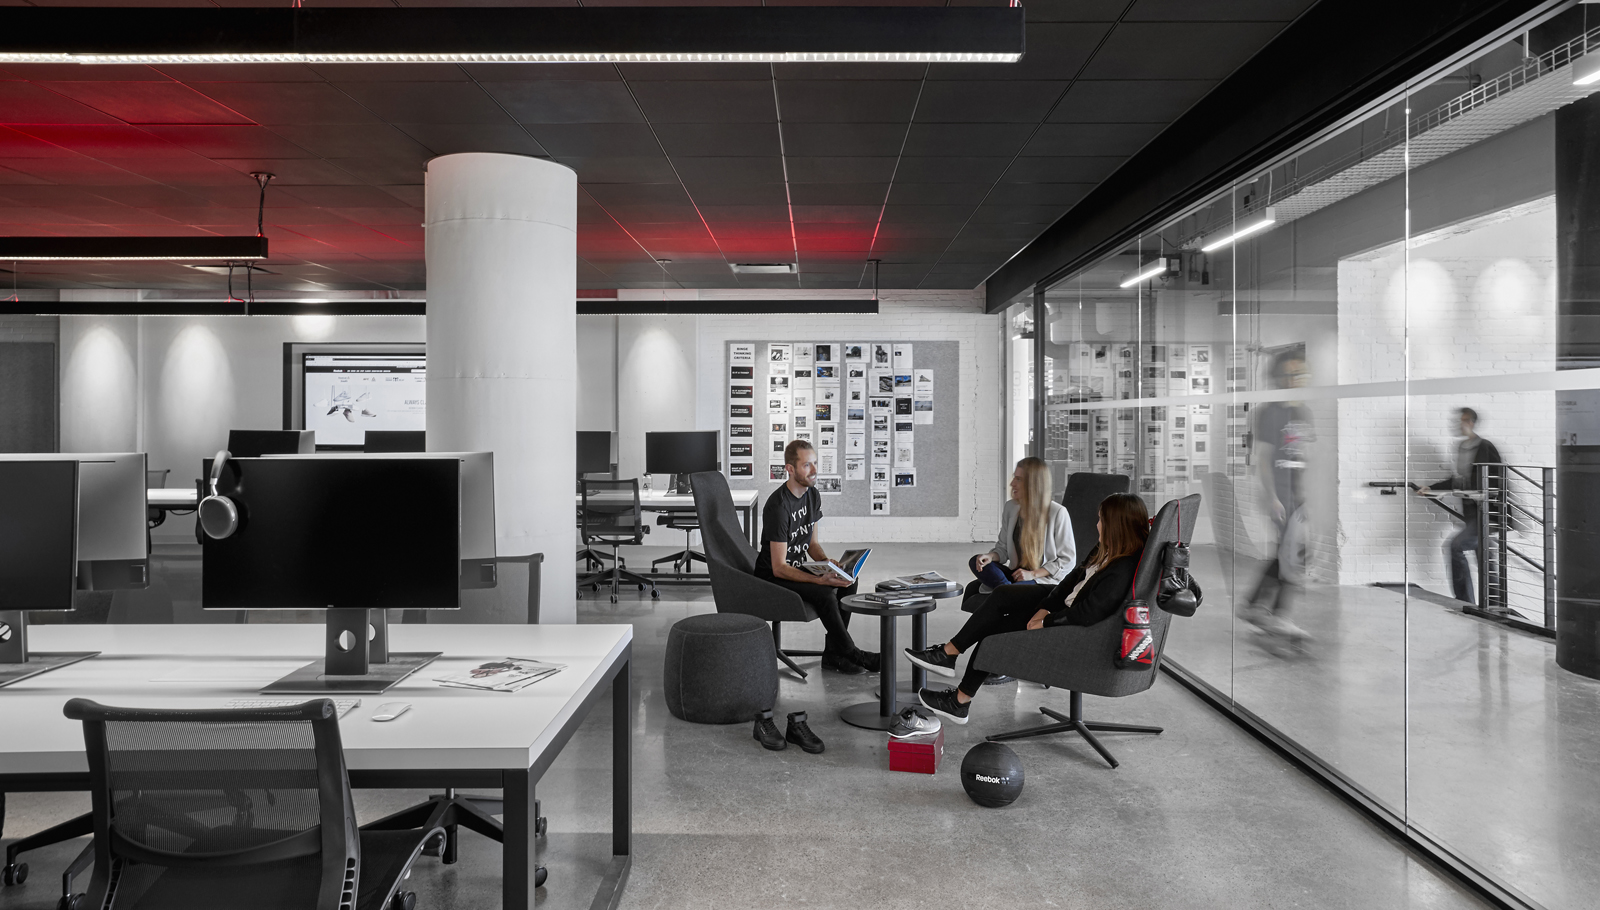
348	394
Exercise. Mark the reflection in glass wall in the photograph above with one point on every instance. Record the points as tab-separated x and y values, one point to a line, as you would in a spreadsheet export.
1376	361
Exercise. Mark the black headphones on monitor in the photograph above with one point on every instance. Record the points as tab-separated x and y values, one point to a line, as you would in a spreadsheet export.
219	515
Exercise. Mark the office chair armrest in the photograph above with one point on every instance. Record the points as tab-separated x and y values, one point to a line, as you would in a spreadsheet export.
740	592
1069	657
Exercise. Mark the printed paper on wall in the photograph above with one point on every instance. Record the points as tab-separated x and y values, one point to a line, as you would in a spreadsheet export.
855	468
741	354
922	385
905	478
880	502
902	358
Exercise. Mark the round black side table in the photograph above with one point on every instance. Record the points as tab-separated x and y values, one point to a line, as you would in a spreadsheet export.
879	715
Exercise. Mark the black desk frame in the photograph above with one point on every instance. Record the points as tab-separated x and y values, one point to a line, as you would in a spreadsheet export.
518	785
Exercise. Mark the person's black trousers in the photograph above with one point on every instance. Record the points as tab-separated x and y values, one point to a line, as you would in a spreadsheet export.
1460	569
825	600
1008	609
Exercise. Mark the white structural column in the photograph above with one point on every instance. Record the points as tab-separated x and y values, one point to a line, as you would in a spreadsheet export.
502	344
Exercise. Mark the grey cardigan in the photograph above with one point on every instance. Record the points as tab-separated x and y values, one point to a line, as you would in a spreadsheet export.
1060	550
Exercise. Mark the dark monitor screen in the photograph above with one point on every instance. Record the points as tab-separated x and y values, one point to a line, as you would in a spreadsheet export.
255	443
363	533
681	452
594	452
38	534
395	441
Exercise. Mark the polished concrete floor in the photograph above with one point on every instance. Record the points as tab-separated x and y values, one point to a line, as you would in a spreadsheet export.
1465	727
1201	816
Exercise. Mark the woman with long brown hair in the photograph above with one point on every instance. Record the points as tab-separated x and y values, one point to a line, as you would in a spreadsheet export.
1092	592
1035	545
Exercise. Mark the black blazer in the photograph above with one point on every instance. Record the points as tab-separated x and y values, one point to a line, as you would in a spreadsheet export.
1487	454
1101	598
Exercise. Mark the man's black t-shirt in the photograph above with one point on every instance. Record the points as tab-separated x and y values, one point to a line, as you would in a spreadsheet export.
1287	428
788	520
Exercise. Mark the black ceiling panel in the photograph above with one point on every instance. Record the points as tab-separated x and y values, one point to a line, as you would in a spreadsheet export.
715	139
1063	169
1216	10
988	101
288	102
1130	101
621	170
431	102
706	102
1115	139
738	193
701	171
1179	50
1065	194
862	101
1055	51
972	140
566	101
840	170
950	170
351	140
926	213
992	213
449	138
585	140
843	139
638	194
838	214
938	193
838	193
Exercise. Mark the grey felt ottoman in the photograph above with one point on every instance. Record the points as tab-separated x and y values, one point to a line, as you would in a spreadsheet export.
721	668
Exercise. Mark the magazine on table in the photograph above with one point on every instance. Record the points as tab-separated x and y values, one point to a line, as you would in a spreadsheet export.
508	674
848	567
922	581
893	599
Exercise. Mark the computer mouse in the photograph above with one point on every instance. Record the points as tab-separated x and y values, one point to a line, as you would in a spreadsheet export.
390	711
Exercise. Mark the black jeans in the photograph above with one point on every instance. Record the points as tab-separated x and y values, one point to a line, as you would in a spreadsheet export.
825	600
1008	609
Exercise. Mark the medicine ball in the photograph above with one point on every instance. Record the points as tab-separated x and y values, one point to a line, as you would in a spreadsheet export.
992	775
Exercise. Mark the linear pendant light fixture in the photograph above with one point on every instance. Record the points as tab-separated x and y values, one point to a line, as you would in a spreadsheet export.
1159	267
110	249
1267	219
167	35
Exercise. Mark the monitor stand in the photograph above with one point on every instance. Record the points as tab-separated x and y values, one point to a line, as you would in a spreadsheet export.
16	663
358	660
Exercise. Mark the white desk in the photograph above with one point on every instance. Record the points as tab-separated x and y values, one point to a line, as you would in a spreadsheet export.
450	738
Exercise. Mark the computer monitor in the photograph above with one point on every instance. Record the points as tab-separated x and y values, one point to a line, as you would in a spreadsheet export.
113	530
388	441
354	536
681	453
478	550
38	557
594	452
255	443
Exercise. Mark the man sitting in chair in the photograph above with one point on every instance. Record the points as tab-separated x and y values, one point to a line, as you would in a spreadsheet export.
789	538
1093	592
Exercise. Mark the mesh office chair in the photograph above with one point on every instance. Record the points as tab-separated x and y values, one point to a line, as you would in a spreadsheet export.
610	516
683	560
1082	658
732	562
236	808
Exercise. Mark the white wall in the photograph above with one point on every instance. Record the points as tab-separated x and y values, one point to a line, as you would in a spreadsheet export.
173	386
597	373
658	365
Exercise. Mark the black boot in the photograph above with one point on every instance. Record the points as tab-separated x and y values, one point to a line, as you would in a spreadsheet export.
766	732
800	734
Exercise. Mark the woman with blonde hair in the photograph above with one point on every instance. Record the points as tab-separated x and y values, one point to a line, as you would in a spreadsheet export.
1035	545
1092	593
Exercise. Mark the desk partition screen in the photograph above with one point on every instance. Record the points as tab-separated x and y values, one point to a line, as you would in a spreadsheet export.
38	534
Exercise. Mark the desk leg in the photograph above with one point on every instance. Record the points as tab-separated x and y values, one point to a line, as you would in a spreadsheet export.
919	640
616	877
889	679
521	865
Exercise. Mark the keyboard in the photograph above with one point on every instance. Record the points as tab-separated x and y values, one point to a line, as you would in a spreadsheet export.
345	705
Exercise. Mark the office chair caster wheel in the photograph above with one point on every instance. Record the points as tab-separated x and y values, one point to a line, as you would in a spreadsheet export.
540	873
641	587
613	598
404	900
434	847
594	587
541	826
72	901
15	874
654	594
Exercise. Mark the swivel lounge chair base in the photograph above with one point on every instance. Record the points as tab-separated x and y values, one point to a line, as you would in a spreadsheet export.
1073	722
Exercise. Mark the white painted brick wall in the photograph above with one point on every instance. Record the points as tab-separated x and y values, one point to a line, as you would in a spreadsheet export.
902	316
1470	315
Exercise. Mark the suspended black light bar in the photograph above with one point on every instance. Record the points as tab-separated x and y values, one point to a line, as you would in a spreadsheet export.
165	36
48	249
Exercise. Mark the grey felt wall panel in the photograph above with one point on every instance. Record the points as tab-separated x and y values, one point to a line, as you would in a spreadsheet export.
28	397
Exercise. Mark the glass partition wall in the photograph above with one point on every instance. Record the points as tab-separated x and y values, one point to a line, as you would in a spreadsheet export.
1373	360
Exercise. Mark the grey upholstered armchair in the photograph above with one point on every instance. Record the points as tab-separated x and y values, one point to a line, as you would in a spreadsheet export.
1082	658
732	561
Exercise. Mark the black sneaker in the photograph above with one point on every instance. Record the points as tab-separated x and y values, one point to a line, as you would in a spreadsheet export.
800	734
943	703
838	663
766	732
934	659
867	660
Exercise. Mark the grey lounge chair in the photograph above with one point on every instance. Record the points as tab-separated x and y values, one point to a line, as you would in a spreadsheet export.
1082	658
732	562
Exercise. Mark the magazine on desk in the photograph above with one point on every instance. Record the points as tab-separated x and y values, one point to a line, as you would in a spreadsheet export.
848	567
510	674
922	581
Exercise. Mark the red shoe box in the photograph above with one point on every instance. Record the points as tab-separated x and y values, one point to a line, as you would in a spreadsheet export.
918	754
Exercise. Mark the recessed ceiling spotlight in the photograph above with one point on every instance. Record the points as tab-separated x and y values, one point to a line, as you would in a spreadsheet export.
763	268
662	261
